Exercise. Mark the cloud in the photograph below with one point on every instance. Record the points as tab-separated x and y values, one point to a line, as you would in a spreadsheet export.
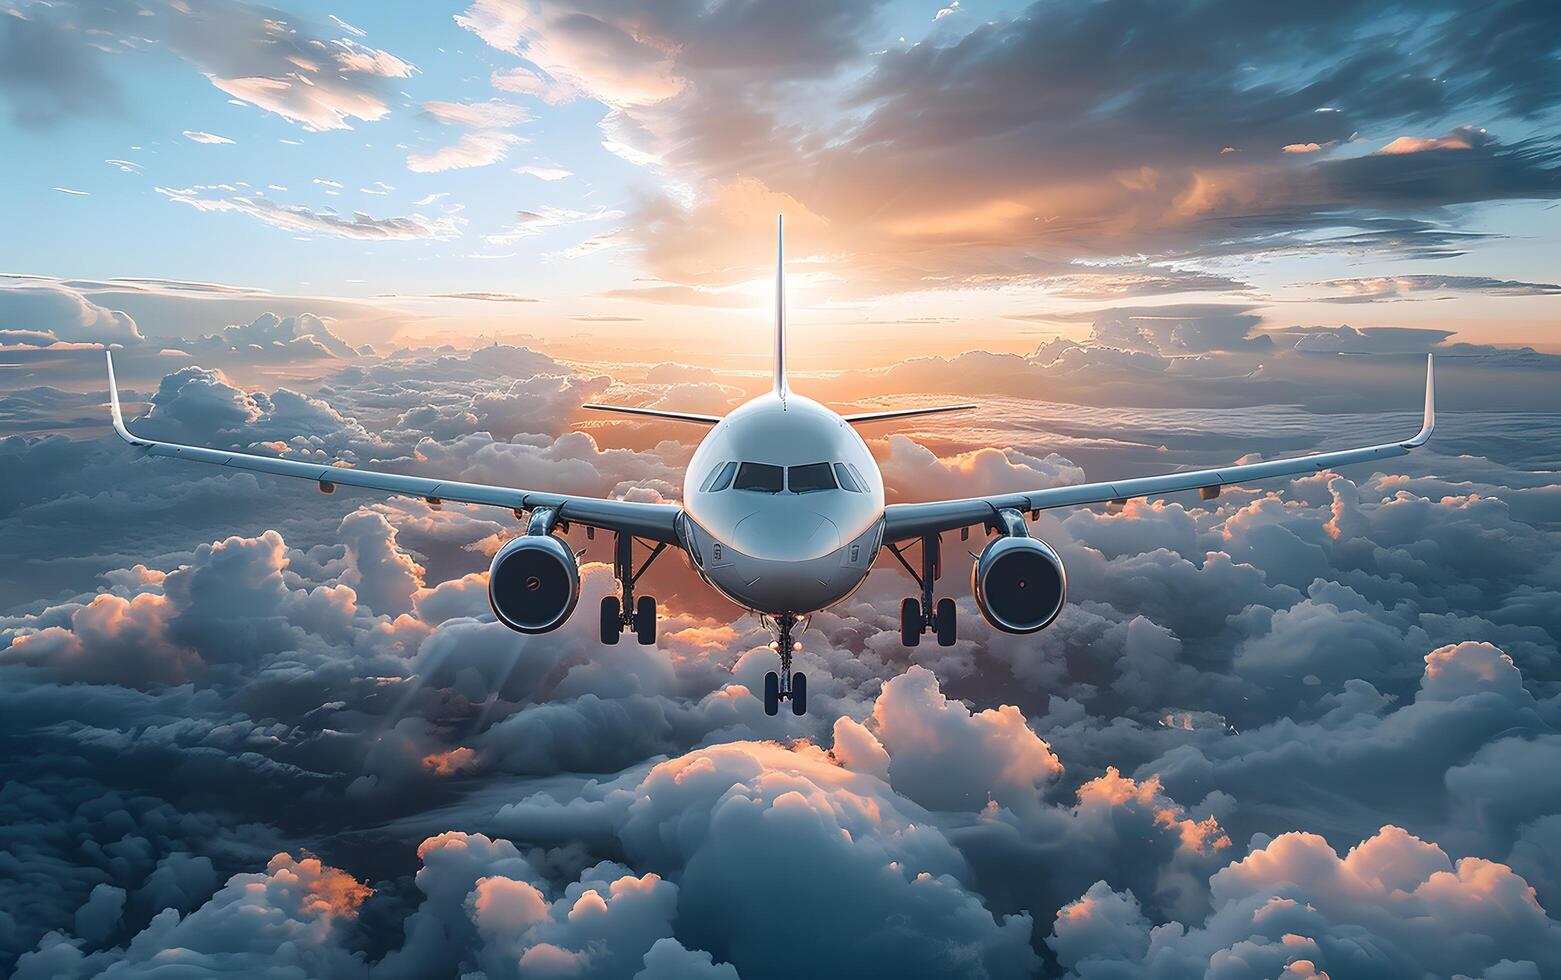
211	138
59	315
471	150
203	670
1295	903
492	114
265	58
544	173
946	758
1371	288
255	54
305	220
1104	165
48	72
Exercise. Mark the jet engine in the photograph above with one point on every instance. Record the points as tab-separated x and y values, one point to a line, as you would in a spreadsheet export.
1019	582
534	583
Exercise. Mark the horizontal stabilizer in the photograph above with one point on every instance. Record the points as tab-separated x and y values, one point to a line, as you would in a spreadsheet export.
903	413
656	413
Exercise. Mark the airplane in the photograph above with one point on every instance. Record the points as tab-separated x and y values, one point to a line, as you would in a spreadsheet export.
783	513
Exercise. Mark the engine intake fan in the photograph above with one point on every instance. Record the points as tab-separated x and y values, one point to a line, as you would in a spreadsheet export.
1019	582
534	581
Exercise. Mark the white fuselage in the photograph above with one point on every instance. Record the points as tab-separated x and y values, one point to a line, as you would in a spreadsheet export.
783	535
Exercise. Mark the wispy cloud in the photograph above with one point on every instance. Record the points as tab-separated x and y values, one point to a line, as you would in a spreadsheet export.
309	221
478	149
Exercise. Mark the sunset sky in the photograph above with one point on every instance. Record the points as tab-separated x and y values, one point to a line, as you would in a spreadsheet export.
953	177
1309	728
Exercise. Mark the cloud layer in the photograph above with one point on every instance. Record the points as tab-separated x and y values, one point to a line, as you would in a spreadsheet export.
1299	728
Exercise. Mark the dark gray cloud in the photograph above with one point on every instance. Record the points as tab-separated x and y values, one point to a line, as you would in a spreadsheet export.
1180	133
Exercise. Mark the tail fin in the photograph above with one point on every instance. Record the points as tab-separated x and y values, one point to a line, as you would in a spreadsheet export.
780	306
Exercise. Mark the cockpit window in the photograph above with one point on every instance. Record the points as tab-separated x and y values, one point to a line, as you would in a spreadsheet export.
719	479
858	474
811	477
725	479
847	481
705	486
760	477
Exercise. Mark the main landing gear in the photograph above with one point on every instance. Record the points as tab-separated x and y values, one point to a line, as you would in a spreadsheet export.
622	613
918	616
785	686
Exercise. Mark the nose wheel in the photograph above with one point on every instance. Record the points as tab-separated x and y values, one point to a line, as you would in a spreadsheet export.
785	685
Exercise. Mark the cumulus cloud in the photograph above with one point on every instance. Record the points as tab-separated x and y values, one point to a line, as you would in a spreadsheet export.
1295	907
1302	727
40	315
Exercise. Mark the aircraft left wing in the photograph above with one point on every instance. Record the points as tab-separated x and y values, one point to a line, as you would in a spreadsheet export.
857	418
656	522
905	521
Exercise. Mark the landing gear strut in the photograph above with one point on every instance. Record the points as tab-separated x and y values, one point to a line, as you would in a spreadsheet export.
785	686
622	613
918	616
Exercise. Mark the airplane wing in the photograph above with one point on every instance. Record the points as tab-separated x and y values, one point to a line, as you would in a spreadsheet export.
904	521
656	522
656	413
902	413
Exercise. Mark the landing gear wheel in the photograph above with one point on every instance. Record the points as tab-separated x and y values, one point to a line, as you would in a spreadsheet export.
944	621
771	693
645	620
799	693
911	624
612	619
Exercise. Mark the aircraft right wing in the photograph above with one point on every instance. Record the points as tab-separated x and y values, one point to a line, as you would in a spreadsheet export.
905	521
656	413
656	522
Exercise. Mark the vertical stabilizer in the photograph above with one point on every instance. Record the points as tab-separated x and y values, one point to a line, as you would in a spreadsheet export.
780	306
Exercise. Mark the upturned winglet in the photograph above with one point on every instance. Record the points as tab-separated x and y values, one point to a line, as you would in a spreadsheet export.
1428	422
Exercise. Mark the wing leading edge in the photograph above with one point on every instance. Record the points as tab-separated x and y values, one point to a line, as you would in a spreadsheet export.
857	418
657	522
913	520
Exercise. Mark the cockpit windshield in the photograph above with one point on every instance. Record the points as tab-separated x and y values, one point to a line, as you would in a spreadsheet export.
768	478
810	477
760	477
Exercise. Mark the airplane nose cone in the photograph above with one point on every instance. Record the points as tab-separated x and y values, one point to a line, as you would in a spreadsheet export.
800	537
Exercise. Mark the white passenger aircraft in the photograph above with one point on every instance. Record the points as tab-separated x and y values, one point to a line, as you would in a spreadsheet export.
783	513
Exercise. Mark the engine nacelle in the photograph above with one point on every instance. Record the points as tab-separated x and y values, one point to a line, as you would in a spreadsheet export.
534	583
1019	582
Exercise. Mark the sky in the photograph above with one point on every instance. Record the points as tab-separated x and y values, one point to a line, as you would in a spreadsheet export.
1310	728
596	170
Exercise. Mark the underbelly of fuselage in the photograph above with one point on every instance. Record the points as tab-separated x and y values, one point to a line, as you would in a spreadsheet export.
778	588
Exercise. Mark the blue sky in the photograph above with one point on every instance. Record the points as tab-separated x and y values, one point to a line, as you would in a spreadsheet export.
930	171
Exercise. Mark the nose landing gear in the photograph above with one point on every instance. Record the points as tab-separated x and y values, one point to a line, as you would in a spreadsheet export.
785	686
